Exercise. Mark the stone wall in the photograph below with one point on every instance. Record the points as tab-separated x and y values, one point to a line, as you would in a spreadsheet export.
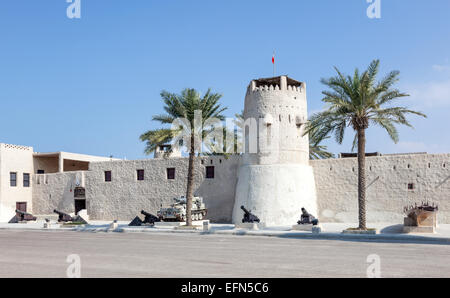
336	186
387	186
56	191
124	197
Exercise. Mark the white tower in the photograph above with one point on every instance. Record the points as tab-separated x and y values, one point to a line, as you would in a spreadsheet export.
274	179
167	151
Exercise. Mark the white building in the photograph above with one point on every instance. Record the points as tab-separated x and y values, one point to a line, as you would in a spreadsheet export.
21	168
274	178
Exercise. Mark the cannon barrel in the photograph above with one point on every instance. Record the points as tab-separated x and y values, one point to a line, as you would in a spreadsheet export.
24	216
60	212
245	210
63	216
248	216
145	213
149	218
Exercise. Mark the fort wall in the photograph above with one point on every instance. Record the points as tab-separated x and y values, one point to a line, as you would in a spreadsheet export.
56	191
124	197
393	182
389	178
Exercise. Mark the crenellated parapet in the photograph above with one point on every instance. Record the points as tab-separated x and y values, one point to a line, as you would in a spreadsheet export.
281	104
16	147
282	83
290	88
274	178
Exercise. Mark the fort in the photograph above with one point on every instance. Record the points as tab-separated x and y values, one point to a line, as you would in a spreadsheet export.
275	180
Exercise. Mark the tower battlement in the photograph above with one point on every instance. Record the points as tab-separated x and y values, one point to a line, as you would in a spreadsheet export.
281	103
275	179
280	83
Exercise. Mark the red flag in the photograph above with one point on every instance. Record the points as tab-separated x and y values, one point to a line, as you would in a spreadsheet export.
273	62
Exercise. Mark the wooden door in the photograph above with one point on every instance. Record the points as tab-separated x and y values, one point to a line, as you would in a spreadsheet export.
21	206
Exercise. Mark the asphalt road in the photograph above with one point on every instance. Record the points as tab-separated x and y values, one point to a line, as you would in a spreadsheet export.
44	254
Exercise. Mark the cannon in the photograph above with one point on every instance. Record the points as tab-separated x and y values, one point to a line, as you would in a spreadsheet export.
307	218
22	216
249	217
63	217
136	222
149	218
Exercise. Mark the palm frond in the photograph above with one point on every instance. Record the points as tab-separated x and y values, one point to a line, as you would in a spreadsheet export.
359	100
165	119
183	106
154	138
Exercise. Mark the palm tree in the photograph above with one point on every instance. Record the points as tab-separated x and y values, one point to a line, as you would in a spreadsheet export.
316	150
185	106
357	102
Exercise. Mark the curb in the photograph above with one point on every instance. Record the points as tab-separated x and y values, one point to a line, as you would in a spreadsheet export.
306	235
338	236
280	234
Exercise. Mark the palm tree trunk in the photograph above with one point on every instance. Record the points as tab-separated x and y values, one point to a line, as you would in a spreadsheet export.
362	178
190	182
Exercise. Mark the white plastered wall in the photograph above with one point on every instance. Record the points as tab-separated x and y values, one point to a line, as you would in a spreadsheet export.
275	193
17	159
277	181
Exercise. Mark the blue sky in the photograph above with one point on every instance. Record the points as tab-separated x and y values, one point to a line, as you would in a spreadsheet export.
91	85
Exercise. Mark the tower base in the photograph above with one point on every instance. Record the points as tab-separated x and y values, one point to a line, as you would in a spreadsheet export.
275	193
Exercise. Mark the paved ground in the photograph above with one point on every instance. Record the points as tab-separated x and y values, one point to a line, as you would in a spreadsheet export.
43	254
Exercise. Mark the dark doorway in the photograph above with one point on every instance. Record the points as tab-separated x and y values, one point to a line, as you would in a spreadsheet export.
21	206
79	205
